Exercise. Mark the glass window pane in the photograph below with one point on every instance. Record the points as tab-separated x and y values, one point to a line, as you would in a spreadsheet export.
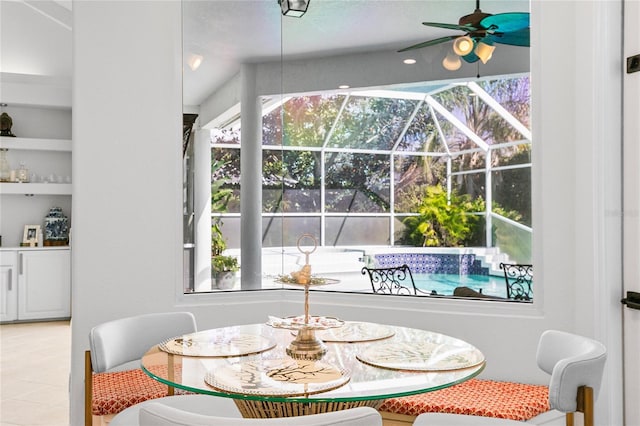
225	180
371	123
512	194
422	134
398	230
272	127
291	181
412	174
230	227
468	162
513	94
279	231
302	121
512	240
357	230
308	119
356	182
225	136
471	184
508	156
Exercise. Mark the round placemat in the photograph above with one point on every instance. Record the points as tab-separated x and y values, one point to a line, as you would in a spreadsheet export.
353	331
209	344
421	356
277	377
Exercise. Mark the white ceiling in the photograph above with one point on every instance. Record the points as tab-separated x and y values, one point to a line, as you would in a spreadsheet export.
36	34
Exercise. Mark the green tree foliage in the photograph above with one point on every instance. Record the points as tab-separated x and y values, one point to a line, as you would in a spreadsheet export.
442	221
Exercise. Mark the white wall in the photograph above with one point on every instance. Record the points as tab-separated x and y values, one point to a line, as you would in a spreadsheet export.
127	257
631	247
126	139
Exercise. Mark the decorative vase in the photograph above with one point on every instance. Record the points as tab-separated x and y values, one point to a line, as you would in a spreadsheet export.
56	228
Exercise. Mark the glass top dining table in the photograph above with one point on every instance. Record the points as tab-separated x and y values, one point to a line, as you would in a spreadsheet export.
364	364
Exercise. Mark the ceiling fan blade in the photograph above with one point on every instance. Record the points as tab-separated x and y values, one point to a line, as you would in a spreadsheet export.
429	43
467	27
514	38
506	22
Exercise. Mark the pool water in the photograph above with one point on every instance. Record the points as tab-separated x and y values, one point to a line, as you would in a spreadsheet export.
445	283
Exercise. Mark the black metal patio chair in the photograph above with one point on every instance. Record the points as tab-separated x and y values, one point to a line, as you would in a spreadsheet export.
392	280
518	278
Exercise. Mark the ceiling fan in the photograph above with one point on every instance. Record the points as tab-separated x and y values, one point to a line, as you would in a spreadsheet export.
482	32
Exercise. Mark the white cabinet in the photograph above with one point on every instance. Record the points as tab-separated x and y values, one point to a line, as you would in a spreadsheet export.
43	278
8	285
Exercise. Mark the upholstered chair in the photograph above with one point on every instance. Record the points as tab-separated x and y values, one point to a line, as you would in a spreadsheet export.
576	365
158	414
114	380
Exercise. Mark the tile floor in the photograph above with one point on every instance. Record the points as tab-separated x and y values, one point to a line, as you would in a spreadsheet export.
34	372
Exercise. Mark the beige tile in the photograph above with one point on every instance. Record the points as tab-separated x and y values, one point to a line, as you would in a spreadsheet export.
45	394
26	413
34	372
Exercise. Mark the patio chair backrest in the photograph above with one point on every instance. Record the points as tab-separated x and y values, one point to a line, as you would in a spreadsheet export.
392	280
518	279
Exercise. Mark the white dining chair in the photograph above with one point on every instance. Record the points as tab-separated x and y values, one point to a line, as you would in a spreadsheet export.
576	365
158	414
202	405
117	347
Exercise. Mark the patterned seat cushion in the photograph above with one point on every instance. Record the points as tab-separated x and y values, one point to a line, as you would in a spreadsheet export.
113	392
506	400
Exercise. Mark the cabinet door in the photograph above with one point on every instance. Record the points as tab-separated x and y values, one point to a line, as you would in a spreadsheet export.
8	286
45	284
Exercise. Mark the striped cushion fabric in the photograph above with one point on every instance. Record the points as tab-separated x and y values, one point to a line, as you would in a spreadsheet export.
506	400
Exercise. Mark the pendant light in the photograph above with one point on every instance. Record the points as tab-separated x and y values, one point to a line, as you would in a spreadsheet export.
484	51
295	8
451	62
463	45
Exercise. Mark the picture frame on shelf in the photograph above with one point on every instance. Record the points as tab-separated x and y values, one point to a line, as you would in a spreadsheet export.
30	234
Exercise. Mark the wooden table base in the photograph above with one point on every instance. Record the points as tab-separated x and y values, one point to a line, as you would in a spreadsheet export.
267	409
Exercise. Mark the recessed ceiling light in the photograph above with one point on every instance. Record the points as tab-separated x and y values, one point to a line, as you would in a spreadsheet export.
343	86
194	61
409	61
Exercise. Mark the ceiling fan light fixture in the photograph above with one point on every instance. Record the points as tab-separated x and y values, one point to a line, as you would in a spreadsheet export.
463	45
484	51
295	8
451	62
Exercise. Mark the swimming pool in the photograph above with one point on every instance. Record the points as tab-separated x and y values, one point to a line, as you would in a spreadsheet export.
443	269
444	284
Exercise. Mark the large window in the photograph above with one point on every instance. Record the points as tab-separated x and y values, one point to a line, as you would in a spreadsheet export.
359	170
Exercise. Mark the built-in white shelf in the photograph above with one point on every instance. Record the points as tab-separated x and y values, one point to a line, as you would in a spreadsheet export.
35	188
34	144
